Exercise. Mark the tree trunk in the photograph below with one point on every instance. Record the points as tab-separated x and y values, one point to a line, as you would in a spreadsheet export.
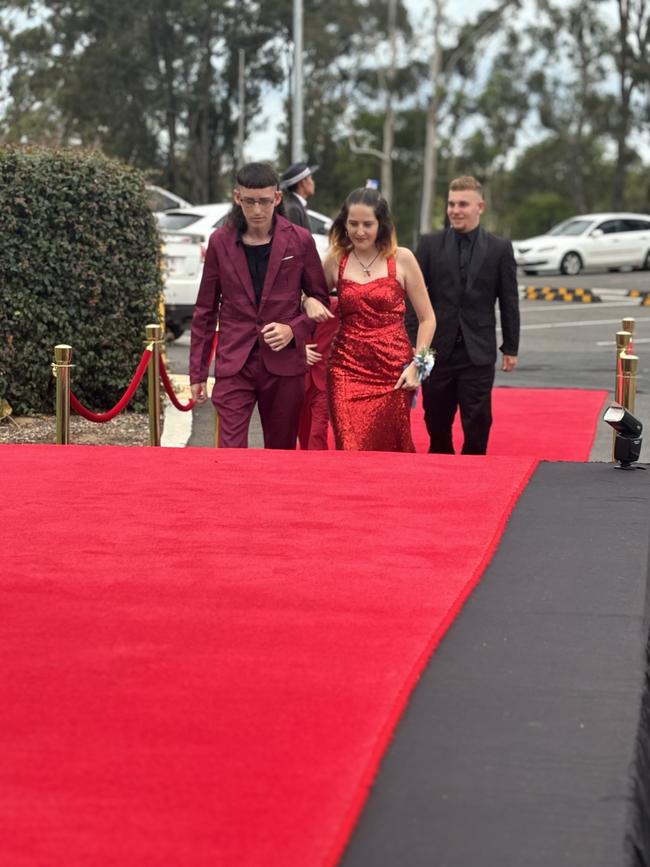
387	158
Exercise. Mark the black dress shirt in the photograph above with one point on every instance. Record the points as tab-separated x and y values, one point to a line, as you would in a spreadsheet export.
465	241
257	256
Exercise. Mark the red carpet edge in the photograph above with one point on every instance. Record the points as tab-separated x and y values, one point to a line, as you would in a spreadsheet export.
365	783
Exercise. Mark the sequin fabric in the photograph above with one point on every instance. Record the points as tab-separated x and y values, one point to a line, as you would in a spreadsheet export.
367	357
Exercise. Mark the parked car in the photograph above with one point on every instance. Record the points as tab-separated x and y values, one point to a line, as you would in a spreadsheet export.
160	200
597	241
185	233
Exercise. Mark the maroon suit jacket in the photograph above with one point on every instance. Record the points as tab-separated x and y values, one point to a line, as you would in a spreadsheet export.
226	292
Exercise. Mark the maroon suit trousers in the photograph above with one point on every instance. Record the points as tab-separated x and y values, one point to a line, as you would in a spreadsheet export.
279	400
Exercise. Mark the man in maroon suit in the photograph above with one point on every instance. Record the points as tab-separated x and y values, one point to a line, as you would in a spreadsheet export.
256	270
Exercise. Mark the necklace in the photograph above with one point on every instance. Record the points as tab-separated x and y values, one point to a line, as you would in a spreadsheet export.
365	268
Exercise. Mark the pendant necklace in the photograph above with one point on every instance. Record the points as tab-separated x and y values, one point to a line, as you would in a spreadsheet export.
365	268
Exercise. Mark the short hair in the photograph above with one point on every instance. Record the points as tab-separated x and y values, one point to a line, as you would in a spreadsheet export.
386	238
253	176
466	182
257	176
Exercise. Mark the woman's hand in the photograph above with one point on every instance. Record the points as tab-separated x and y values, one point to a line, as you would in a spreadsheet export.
408	378
316	310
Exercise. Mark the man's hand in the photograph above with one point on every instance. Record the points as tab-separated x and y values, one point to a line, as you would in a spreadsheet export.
277	335
316	310
509	363
312	355
199	392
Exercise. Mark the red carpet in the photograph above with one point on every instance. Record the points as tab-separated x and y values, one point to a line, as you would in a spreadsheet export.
553	424
205	653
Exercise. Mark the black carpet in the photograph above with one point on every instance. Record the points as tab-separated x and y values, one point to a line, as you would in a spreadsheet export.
519	745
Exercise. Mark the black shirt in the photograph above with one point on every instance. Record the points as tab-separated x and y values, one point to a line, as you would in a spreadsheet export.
465	242
257	256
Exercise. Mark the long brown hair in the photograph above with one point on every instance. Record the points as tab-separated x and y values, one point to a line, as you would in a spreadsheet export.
386	241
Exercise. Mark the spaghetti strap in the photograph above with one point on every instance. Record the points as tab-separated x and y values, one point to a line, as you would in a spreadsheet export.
342	264
392	267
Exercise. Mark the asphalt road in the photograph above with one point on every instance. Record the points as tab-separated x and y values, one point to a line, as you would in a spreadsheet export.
591	280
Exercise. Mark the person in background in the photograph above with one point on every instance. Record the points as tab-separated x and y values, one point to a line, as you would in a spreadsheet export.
467	270
372	369
257	269
297	184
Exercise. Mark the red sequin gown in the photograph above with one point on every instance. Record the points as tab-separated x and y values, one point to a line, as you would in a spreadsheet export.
367	357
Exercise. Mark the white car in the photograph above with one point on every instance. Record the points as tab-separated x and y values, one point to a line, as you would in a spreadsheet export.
596	241
185	233
160	200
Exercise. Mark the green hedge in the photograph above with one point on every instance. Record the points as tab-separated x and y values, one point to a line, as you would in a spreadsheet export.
79	264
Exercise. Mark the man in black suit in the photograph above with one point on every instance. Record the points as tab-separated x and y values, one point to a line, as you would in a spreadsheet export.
467	270
297	184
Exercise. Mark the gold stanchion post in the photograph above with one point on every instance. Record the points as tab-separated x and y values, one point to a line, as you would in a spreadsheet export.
61	371
629	365
629	324
217	420
622	342
154	338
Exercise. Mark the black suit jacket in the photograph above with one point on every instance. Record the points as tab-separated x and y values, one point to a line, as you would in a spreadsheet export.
294	211
492	277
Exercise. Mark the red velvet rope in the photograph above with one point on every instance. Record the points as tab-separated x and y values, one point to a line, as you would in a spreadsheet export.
213	348
123	401
169	388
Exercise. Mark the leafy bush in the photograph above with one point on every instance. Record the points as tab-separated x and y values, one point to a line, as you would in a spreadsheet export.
79	264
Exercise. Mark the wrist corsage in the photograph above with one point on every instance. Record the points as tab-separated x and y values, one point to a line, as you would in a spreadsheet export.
424	361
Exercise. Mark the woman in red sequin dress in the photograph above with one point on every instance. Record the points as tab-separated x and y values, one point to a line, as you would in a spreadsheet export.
371	375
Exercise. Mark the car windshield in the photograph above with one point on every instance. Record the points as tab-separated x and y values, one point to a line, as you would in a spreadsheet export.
571	227
177	220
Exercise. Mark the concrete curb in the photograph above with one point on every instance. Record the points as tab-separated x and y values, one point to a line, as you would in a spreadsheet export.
177	425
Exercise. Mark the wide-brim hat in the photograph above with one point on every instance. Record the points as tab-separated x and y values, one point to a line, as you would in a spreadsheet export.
296	173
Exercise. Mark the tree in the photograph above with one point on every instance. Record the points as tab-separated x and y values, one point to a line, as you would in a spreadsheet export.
347	80
168	104
442	67
569	91
631	56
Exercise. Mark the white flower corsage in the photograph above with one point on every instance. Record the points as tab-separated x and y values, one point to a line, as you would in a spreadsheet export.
424	361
